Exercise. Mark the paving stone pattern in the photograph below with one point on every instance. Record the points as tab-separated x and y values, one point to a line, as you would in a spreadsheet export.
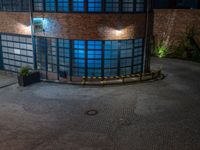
160	115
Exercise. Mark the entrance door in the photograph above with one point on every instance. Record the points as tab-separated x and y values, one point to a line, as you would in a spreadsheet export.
46	53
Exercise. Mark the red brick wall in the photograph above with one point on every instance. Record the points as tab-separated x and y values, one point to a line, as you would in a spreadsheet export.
17	23
78	26
169	25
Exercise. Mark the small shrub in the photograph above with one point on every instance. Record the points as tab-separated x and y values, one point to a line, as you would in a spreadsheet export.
161	49
25	71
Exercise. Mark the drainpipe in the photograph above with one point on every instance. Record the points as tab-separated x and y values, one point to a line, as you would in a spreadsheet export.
32	33
146	42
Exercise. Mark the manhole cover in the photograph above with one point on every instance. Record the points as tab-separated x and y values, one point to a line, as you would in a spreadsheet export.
91	112
124	122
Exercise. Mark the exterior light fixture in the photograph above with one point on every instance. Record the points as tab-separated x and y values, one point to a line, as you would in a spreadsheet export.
39	24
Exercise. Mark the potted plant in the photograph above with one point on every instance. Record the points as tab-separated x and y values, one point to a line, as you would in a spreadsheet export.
27	76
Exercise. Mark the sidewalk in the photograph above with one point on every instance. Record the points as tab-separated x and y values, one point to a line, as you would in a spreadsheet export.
7	79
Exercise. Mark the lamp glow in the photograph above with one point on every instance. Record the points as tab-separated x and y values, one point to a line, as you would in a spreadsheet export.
118	32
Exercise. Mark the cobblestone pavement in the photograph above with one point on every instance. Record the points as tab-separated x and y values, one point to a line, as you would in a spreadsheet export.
160	115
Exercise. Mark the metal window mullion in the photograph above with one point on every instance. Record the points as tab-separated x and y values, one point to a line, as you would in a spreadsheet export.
103	5
120	5
44	5
71	48
12	8
86	6
118	65
102	59
46	56
56	5
86	58
58	60
132	63
1	5
1	55
70	5
134	6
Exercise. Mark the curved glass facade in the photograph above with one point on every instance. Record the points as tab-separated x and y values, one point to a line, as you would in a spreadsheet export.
80	58
72	58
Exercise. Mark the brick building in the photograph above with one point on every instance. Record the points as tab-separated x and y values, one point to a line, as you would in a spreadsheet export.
71	39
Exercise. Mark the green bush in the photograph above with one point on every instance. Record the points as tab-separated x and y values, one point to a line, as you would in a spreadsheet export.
161	49
25	71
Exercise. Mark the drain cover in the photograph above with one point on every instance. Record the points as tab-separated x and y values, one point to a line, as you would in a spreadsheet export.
92	112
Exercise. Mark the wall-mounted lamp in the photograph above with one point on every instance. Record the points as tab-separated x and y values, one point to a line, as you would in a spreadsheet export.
40	24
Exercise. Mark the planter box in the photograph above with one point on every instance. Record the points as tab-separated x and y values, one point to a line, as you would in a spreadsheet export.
30	79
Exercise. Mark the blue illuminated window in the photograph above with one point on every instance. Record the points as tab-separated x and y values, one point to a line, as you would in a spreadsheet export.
126	51
38	5
94	58
78	6
63	5
128	6
111	53
50	5
112	5
94	5
78	60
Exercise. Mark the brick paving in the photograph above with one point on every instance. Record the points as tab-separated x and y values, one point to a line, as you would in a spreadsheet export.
160	115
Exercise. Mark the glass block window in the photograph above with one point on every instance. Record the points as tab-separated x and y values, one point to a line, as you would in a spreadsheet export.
126	50
7	5
128	6
78	58
78	6
17	52
64	57
111	61
16	5
112	5
25	5
63	5
139	5
94	51
94	5
138	42
50	5
138	55
52	55
38	5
